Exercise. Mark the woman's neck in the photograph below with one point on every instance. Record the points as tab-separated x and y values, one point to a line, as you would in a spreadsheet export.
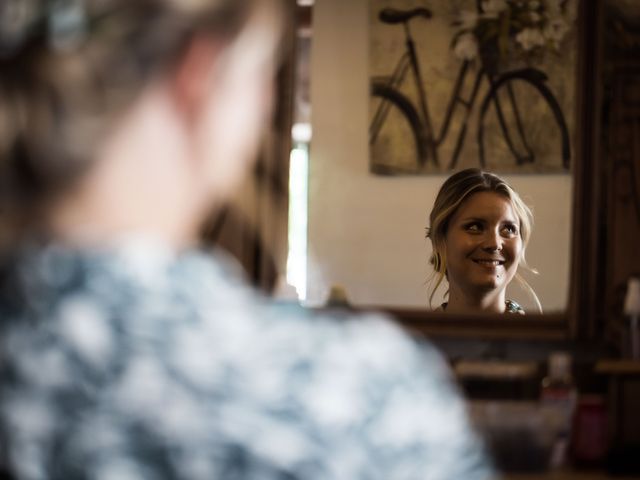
482	302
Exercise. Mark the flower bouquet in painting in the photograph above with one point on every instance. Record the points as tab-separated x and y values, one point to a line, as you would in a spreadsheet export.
504	32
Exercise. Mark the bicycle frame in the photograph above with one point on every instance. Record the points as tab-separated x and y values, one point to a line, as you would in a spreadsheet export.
394	81
409	60
422	95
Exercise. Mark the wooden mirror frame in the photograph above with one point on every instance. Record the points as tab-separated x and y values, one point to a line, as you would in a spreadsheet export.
583	319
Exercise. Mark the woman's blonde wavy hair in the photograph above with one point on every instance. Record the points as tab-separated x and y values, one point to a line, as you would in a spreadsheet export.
453	193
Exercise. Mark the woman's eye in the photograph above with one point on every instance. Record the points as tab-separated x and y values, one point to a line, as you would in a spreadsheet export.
510	229
473	227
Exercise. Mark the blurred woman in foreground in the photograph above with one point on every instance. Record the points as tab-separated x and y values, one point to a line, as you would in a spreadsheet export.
126	354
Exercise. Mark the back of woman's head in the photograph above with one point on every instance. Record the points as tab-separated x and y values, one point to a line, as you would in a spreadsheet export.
69	69
457	189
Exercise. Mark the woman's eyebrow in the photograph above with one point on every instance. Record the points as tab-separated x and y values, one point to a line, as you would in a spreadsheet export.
485	220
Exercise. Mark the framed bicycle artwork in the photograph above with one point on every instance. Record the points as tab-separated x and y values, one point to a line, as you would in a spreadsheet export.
461	83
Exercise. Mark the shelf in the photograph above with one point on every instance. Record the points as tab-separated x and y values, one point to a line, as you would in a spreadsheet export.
618	367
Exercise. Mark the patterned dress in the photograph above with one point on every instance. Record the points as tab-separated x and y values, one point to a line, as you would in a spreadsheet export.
510	307
138	363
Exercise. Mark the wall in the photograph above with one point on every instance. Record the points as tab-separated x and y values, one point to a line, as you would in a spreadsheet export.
366	232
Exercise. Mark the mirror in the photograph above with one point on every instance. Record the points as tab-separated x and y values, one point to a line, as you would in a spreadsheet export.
366	232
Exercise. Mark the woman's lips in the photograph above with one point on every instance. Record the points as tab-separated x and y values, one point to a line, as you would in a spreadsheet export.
488	263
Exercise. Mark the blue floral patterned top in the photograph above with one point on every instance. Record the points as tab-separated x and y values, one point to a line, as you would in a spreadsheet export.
136	363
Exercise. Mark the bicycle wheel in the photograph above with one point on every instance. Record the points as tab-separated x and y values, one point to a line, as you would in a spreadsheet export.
396	144
521	126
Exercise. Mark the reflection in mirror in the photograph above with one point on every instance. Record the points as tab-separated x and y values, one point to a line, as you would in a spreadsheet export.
367	232
479	230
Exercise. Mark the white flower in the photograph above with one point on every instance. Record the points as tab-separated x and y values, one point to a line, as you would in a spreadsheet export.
555	30
466	48
494	6
529	38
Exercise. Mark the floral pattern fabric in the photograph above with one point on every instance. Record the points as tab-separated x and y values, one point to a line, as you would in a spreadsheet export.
513	307
137	363
510	307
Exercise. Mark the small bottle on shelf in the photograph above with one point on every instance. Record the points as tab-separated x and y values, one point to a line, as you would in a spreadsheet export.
558	394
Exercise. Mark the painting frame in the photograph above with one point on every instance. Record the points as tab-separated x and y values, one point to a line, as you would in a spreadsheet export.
435	107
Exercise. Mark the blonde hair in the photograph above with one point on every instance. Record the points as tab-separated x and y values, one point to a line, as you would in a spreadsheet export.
453	193
68	70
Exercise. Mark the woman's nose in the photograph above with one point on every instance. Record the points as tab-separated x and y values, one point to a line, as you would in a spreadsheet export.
493	242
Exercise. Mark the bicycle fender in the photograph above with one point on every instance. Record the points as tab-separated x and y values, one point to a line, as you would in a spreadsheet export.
532	74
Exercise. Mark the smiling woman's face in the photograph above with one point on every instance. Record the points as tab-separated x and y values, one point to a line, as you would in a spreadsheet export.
483	245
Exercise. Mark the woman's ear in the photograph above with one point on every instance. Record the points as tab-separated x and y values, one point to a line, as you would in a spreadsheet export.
194	76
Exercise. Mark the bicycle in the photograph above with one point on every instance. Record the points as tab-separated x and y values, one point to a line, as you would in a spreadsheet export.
504	90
